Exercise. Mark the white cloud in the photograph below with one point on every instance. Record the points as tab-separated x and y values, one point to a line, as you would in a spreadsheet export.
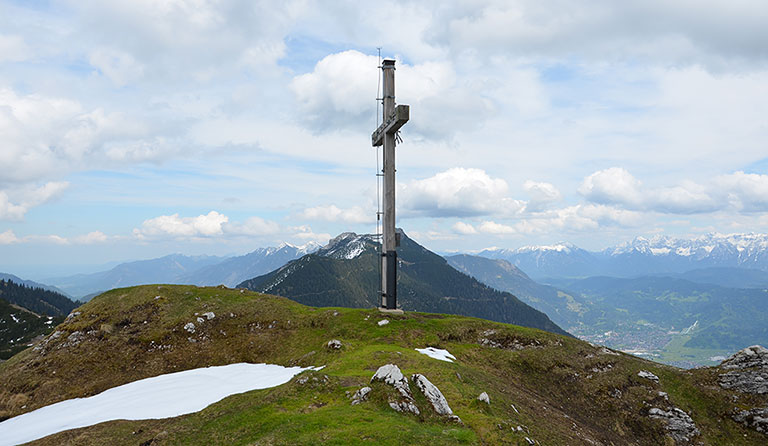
617	186
737	191
90	238
490	227
542	194
463	228
8	237
459	192
26	198
339	93
175	226
746	192
333	213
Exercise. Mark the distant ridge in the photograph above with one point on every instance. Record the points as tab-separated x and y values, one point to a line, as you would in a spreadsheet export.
345	273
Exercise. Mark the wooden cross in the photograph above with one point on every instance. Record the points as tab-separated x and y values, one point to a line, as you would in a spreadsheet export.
394	118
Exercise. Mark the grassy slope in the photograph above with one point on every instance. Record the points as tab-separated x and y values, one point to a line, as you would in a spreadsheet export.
550	381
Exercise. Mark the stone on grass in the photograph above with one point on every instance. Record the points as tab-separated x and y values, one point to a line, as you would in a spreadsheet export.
361	395
334	344
391	374
678	424
648	375
483	397
434	396
383	322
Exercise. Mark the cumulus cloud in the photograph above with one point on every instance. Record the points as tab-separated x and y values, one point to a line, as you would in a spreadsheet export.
25	198
215	225
91	238
542	194
463	228
8	237
737	191
459	192
338	93
172	225
45	136
333	213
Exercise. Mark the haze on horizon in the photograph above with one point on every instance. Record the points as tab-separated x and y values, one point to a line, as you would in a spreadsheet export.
136	129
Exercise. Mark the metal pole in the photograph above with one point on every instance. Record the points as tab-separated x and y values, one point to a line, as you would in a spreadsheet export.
388	247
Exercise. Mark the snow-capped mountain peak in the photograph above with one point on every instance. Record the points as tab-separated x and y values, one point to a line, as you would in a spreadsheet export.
347	245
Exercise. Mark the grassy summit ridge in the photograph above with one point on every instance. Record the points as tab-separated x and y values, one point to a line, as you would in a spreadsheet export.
559	390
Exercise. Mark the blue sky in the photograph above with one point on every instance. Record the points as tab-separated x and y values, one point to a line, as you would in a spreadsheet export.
135	129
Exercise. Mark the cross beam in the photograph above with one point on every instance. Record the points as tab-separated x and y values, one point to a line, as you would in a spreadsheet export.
396	120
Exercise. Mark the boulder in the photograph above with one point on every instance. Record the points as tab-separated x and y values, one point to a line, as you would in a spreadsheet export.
391	374
678	424
648	375
334	344
434	396
483	397
747	371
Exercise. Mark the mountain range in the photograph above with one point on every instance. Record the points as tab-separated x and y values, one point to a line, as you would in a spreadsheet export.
345	273
670	319
641	256
182	269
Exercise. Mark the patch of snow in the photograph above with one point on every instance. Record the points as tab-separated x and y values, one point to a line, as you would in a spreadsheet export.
383	322
163	396
437	353
15	319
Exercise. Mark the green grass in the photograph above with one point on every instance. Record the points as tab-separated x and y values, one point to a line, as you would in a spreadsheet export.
540	381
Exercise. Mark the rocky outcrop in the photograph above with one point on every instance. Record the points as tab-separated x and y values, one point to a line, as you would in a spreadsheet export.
754	356
678	424
757	419
391	374
434	396
748	371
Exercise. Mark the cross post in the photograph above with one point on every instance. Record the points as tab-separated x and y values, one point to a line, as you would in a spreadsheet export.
394	118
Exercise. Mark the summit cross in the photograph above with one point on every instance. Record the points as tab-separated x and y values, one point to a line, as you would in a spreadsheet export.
394	117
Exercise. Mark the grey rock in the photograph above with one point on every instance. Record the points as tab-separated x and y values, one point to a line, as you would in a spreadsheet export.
648	375
434	396
754	356
756	419
392	375
404	406
361	395
679	425
209	315
383	322
73	315
749	381
190	327
334	344
483	397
